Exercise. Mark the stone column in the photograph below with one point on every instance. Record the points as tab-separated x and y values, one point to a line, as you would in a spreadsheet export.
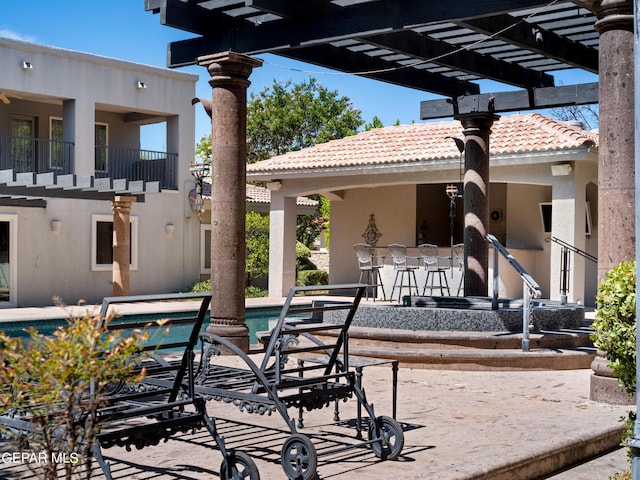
229	81
616	159
477	129
616	172
121	207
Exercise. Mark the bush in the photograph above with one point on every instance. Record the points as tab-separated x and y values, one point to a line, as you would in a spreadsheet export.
249	292
303	255
255	292
60	380
615	323
312	277
202	287
257	245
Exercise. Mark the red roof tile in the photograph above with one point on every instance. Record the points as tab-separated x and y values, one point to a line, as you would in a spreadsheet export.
255	194
511	134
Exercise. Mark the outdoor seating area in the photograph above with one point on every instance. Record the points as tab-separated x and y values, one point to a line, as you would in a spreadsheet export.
268	384
171	398
426	265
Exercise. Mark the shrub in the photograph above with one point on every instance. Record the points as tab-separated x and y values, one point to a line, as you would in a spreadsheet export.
257	245
615	323
202	287
312	277
60	381
303	255
255	292
249	292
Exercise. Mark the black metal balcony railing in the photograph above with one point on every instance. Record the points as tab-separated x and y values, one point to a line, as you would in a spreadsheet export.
135	164
25	154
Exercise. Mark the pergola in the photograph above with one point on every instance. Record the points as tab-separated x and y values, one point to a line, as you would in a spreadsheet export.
441	48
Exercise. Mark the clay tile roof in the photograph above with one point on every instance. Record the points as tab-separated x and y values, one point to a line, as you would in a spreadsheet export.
255	194
511	134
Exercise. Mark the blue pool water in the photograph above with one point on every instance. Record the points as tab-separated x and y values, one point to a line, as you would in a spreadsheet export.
258	319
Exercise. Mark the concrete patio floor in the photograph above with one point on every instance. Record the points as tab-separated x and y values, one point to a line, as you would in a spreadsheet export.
458	425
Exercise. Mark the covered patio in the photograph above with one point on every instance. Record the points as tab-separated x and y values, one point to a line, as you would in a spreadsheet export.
397	177
444	49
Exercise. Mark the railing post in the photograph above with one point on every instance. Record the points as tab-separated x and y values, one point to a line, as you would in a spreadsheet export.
496	287
526	316
564	272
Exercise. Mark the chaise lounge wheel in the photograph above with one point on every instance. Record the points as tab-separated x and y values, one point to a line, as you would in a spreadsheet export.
390	442
299	458
239	466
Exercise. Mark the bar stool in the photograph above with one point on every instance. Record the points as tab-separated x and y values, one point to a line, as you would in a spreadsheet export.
370	269
429	254
402	268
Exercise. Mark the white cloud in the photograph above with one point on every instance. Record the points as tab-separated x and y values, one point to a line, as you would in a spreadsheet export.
15	35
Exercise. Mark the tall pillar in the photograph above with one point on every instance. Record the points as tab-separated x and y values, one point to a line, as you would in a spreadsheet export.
616	155
121	207
229	82
282	244
616	161
477	129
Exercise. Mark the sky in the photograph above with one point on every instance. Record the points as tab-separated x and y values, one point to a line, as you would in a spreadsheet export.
123	29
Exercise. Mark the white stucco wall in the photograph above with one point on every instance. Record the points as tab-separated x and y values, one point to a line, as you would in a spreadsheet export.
349	219
85	89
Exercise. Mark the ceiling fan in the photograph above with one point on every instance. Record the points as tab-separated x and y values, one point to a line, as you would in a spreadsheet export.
5	97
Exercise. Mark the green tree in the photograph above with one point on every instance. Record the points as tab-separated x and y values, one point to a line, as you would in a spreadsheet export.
374	123
257	239
288	116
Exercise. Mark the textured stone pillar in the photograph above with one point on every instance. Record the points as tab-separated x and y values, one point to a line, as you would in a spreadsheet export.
477	129
616	172
616	159
121	207
229	81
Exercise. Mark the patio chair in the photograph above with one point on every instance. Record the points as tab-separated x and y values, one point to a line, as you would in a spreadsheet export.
458	259
435	272
370	265
402	267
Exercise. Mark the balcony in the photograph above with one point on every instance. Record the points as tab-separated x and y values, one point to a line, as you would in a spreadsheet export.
134	164
25	154
40	156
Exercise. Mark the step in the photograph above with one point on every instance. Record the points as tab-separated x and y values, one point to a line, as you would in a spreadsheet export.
479	359
553	350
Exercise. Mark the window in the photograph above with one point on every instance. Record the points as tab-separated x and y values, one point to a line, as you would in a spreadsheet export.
23	143
545	216
8	259
205	249
102	243
101	151
56	147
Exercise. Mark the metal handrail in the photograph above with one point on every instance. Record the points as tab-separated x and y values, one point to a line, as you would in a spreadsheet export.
574	249
530	287
565	264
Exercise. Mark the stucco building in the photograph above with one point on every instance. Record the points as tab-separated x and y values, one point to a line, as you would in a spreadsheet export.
70	143
543	184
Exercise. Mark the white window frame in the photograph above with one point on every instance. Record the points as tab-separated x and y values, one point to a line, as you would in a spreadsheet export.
108	267
106	151
13	260
204	252
588	225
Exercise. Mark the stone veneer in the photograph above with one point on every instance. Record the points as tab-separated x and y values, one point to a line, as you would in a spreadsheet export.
474	317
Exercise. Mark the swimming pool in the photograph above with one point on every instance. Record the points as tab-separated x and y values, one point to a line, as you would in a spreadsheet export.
258	319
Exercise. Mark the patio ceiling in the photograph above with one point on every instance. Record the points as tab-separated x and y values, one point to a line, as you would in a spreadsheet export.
443	48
